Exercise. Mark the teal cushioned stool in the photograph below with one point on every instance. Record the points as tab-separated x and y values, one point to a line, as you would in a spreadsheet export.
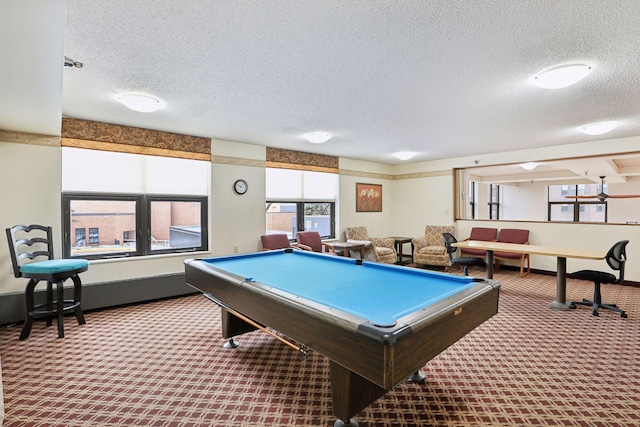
31	249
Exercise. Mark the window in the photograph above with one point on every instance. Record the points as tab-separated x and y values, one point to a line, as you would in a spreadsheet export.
472	199
575	210
133	225
81	237
300	200
289	218
494	201
132	205
94	236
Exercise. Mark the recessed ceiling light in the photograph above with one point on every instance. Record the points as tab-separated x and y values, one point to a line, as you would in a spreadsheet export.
599	128
317	137
404	155
561	76
141	103
529	166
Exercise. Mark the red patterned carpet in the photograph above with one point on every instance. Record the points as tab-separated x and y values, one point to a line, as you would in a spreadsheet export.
162	364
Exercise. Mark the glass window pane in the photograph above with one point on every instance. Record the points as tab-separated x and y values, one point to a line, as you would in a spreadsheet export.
592	213
281	218
317	217
116	220
561	212
557	193
175	224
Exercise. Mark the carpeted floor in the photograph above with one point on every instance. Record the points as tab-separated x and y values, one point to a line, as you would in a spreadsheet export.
162	364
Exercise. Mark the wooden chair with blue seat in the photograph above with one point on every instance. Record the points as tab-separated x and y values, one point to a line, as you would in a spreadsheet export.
616	258
31	250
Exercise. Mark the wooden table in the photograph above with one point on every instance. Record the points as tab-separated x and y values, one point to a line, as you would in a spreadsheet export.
560	303
399	243
345	247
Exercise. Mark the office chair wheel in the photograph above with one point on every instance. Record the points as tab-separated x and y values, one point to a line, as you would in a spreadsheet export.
572	305
623	314
595	313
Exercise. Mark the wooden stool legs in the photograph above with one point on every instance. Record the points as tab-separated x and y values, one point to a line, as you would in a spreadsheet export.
57	307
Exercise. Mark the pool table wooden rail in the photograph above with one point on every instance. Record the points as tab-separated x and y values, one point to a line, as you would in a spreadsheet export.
366	361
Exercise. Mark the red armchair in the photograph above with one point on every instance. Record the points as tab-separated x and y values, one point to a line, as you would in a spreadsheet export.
311	241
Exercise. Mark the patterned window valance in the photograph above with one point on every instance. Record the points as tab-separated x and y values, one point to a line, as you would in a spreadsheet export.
127	139
288	159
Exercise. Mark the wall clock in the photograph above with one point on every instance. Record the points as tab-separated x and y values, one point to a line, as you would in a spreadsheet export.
240	186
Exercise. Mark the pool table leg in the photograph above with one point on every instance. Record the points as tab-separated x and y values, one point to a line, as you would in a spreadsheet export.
417	377
233	326
351	393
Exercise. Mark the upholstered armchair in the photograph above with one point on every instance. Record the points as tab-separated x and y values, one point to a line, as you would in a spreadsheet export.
378	249
430	248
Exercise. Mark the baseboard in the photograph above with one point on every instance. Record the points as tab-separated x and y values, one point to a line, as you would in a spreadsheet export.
103	295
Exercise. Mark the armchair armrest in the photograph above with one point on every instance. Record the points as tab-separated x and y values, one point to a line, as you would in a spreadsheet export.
385	242
329	247
420	242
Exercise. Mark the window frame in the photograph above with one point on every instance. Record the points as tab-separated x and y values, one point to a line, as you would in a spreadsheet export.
142	223
576	204
494	190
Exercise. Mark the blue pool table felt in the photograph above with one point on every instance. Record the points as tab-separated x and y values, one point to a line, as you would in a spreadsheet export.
380	293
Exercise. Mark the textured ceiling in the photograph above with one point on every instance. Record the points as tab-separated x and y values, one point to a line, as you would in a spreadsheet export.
443	78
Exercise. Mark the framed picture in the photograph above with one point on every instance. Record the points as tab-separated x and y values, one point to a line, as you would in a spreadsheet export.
368	197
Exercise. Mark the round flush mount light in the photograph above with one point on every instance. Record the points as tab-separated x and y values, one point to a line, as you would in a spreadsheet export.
140	103
561	76
317	137
404	155
529	166
599	128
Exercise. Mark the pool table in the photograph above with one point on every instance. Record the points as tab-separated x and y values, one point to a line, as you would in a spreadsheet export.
377	323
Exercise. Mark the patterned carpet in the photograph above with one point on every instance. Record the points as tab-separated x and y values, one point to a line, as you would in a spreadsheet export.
162	364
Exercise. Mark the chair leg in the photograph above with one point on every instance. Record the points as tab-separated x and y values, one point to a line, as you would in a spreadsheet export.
60	307
597	303
77	298
30	303
49	303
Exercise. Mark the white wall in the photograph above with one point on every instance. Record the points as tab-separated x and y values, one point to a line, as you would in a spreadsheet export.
418	202
524	201
379	224
30	194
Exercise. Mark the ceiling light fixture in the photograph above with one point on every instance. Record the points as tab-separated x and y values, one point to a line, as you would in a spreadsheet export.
404	155
599	128
317	137
561	76
140	103
529	166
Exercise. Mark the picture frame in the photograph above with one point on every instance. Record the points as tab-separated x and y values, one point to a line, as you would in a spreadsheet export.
368	197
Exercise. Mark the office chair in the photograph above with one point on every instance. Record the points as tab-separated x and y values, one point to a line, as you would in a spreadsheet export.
464	262
616	258
31	250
